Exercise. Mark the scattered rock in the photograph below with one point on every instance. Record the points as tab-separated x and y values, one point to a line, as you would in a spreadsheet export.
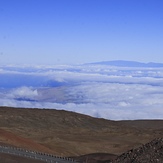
151	152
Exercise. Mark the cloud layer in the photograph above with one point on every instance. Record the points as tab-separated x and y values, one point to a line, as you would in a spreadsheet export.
97	90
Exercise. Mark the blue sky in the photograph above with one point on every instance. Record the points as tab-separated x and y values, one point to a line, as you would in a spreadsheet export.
80	31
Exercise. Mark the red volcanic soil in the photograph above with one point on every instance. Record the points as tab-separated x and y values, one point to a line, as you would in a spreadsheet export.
66	133
8	138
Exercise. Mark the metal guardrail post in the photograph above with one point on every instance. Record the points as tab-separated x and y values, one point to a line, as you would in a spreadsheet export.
35	155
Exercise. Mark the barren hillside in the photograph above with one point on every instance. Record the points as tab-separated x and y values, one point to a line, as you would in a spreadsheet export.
71	134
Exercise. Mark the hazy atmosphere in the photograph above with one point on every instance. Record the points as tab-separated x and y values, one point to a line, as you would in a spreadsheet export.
47	48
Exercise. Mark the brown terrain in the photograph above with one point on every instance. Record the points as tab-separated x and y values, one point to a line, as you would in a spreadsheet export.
6	158
151	152
68	134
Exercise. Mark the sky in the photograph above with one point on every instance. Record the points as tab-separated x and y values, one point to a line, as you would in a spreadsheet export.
80	31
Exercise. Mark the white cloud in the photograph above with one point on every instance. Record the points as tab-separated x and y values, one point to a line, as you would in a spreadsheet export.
96	110
23	92
100	91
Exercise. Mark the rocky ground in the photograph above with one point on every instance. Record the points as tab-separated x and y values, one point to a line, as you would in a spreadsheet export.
71	134
151	152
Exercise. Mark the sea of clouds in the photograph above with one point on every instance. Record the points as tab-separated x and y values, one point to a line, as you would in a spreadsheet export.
102	91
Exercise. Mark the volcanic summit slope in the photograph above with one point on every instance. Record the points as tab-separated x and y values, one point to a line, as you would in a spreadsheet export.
67	133
151	152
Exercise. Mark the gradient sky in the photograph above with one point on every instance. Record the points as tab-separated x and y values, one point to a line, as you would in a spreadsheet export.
80	31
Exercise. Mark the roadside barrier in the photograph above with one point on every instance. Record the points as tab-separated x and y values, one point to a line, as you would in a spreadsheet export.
35	155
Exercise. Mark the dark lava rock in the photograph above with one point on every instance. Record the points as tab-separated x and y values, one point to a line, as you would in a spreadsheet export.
151	152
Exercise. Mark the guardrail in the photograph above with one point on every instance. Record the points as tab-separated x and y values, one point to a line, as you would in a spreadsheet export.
35	155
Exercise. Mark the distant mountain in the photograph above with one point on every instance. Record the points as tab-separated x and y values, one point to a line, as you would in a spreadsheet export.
122	63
